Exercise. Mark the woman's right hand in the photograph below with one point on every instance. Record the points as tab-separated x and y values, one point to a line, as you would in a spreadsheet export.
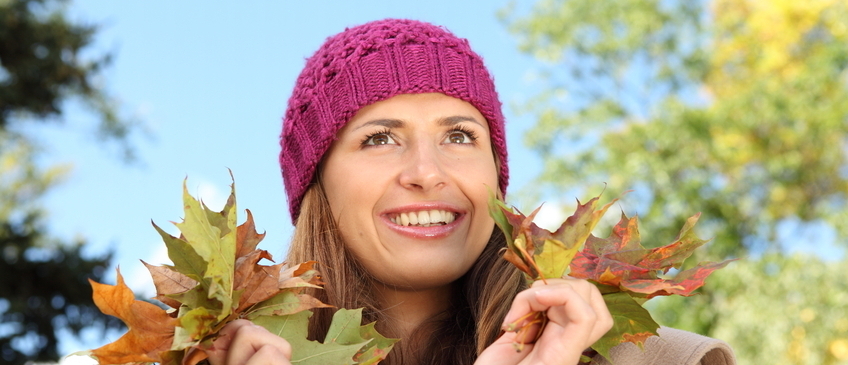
244	343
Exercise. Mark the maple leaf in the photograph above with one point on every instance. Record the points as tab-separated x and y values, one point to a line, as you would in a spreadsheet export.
150	328
217	276
540	253
621	261
626	273
347	342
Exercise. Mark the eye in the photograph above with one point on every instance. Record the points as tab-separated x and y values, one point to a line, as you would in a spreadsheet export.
460	136
378	139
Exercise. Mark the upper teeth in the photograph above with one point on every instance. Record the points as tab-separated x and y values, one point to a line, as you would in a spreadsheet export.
424	218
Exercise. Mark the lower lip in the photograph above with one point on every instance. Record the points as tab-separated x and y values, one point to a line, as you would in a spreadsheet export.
433	232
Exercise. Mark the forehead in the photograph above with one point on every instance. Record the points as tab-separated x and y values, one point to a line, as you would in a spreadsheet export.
443	109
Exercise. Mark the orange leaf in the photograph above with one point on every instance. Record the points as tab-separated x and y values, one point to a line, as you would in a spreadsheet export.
151	329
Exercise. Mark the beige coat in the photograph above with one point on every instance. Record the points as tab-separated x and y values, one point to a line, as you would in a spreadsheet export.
672	347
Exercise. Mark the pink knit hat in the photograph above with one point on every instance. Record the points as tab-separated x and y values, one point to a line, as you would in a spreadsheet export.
373	62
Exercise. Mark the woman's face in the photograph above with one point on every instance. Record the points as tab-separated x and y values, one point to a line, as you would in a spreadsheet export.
408	181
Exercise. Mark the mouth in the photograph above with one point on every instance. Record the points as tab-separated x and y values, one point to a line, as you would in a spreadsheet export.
424	218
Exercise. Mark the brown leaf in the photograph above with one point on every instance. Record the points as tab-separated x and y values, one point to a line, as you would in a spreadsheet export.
246	266
261	285
513	258
151	329
168	281
246	237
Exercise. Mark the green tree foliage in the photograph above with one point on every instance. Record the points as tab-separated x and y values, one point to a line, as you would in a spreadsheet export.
43	280
779	309
736	109
42	69
44	288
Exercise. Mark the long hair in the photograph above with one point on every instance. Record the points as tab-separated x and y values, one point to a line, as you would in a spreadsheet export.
472	322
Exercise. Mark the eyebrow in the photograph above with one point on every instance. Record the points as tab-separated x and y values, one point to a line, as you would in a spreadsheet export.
456	119
397	123
388	123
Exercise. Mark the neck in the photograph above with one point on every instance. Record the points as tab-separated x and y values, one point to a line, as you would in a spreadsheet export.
407	309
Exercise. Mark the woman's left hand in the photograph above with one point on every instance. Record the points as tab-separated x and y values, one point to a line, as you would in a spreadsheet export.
577	317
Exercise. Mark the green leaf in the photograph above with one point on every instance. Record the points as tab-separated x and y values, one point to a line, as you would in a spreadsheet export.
182	254
216	249
496	211
632	323
345	327
377	347
285	303
197	297
316	353
294	328
291	327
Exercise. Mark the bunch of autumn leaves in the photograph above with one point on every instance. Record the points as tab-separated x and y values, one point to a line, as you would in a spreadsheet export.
626	273
217	278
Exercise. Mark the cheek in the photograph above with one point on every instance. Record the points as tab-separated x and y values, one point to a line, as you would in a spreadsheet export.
351	196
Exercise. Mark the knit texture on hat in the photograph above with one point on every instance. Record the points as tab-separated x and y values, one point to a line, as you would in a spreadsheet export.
373	62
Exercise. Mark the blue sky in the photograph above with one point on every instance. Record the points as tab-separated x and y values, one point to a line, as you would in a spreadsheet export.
211	83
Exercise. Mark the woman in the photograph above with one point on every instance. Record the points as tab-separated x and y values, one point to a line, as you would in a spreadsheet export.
392	140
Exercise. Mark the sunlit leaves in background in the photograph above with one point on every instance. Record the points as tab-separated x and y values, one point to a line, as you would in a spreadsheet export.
781	309
736	109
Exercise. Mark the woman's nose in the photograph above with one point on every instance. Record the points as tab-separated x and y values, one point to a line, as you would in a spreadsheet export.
423	169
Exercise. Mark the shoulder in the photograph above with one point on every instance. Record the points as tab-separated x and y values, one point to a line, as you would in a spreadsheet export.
672	346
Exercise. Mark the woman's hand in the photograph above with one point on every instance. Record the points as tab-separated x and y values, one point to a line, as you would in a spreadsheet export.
577	317
244	343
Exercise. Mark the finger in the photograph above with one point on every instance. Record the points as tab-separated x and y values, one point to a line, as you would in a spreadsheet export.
605	320
242	342
221	345
251	340
269	355
527	301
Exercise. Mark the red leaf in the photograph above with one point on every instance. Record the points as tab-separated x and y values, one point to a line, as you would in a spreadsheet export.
620	260
684	283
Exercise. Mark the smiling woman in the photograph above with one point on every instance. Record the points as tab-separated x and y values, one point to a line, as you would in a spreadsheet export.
392	142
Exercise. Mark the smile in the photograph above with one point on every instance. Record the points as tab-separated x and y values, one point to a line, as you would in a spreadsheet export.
424	218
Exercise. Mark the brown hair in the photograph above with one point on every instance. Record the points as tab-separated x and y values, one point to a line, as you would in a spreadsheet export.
472	322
